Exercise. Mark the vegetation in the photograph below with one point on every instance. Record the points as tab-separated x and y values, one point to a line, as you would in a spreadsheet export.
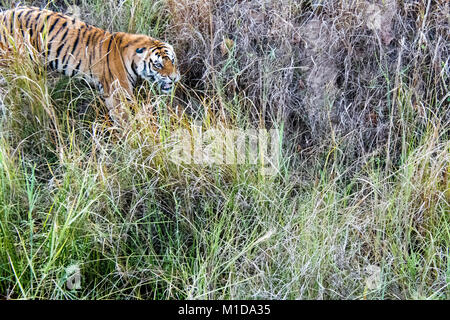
359	207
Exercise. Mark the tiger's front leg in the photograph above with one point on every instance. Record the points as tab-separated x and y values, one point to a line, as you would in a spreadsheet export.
117	111
115	100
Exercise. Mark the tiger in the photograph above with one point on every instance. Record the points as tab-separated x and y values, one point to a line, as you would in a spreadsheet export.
111	61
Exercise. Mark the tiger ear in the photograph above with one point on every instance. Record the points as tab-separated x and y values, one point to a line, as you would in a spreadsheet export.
140	50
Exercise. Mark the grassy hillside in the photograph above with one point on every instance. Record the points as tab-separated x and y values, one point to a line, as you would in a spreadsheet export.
357	92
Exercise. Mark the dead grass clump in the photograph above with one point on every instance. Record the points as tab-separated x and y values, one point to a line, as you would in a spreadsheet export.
340	68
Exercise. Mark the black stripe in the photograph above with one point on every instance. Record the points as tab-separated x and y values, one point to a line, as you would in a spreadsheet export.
87	45
100	33
118	42
27	18
131	43
82	37
31	34
68	56
60	41
64	35
75	44
49	48
20	14
133	68
145	68
108	54
43	24
59	30
88	38
58	52
30	22
132	78
94	47
64	69
77	68
65	61
83	32
12	21
38	17
61	46
90	56
111	39
20	25
55	22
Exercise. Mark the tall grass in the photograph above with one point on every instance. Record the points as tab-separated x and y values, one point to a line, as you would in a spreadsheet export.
358	210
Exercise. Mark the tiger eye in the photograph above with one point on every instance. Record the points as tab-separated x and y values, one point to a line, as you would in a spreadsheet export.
157	65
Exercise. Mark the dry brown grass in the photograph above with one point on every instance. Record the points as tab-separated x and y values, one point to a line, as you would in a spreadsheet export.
331	68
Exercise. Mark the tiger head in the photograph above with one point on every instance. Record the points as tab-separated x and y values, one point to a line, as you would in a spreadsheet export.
155	61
